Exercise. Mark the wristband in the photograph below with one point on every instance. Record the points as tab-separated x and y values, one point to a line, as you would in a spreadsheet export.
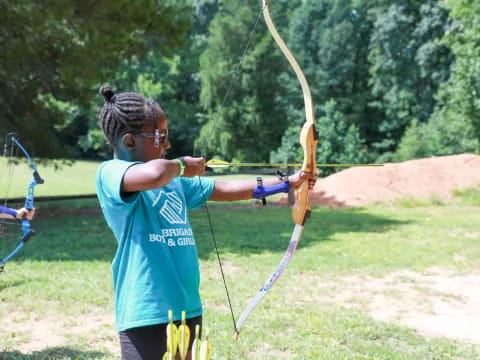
261	192
182	167
7	211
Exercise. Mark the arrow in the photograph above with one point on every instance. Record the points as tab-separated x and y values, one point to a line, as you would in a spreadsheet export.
215	163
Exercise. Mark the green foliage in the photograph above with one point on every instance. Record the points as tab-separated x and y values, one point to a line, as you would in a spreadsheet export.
338	142
415	143
385	64
330	39
454	127
290	149
460	95
240	119
408	63
442	135
56	53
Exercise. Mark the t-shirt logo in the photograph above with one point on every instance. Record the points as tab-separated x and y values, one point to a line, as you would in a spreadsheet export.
171	209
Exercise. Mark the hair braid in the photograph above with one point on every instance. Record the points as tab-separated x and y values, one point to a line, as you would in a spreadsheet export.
125	111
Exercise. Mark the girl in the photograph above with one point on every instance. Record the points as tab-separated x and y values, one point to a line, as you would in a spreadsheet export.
145	199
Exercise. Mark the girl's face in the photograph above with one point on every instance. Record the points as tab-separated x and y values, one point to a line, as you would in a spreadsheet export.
149	143
153	143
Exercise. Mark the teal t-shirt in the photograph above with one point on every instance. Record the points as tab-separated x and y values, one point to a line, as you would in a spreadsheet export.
155	268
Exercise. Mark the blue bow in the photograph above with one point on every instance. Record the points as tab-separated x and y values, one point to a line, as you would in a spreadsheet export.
27	231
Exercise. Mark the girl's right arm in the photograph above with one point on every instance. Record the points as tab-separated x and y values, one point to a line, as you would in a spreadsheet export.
8	213
159	172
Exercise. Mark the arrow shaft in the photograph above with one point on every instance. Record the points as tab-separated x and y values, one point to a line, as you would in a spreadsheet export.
227	164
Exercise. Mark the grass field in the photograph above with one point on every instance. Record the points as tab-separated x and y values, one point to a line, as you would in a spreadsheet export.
56	295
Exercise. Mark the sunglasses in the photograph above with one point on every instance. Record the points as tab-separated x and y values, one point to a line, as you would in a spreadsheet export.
158	138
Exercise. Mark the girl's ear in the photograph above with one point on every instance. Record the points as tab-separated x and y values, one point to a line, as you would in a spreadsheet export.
128	140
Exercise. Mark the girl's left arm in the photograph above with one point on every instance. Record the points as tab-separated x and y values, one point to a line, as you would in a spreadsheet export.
243	189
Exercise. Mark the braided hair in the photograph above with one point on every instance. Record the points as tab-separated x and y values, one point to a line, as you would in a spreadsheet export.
125	111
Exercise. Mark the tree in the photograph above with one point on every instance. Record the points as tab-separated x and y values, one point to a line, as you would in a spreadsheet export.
55	54
408	63
248	123
329	39
338	142
454	127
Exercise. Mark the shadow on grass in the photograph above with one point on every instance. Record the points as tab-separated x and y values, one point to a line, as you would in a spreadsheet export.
83	235
253	231
54	353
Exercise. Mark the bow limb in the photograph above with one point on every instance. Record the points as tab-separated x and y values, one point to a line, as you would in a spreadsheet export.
308	140
308	135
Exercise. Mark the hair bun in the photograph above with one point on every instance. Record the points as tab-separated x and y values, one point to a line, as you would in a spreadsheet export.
106	92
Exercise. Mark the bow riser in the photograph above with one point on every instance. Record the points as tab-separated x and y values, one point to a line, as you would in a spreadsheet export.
308	141
29	200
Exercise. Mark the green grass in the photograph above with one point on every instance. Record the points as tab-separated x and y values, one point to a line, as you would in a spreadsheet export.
66	180
469	196
63	277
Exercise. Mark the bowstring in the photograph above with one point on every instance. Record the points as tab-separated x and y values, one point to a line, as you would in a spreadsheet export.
7	155
203	153
8	163
10	151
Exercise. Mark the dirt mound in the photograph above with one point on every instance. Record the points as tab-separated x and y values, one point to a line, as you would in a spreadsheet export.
420	179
